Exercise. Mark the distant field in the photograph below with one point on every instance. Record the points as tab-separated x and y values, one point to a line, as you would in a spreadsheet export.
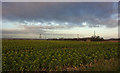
49	55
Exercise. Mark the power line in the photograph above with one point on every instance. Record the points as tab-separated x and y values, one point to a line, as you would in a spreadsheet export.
40	36
94	34
78	36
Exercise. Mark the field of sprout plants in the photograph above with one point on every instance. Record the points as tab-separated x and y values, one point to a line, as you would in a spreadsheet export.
54	55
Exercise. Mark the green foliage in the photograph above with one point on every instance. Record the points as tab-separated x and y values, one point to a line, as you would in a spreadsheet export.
36	55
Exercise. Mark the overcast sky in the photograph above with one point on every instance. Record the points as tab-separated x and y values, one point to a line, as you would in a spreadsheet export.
29	19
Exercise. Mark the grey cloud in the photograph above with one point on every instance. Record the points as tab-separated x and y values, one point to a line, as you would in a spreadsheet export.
25	31
34	29
42	27
94	13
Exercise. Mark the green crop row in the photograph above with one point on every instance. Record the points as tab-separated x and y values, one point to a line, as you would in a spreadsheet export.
37	55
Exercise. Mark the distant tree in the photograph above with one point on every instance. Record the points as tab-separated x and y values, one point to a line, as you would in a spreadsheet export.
96	38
